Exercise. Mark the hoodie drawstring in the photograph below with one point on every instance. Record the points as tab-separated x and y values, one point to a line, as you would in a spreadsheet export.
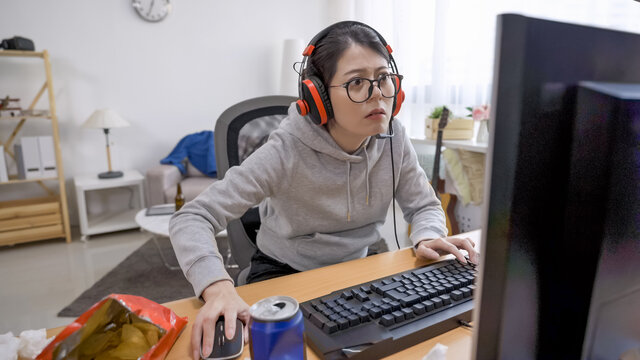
366	156
348	191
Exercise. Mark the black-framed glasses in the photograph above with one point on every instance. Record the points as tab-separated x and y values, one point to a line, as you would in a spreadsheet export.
360	89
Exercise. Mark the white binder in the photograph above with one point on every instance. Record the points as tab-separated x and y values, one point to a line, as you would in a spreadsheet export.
4	175
31	157
47	157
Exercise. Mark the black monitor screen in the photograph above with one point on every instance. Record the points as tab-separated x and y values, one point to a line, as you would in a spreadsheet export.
549	209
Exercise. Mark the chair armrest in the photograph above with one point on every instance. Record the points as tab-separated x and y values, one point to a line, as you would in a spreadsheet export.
160	178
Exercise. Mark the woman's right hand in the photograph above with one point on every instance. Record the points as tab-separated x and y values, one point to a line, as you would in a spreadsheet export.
221	299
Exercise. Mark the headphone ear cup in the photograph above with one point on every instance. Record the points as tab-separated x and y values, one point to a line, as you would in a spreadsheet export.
398	99
316	99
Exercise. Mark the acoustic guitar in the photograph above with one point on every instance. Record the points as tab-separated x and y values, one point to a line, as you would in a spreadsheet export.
448	200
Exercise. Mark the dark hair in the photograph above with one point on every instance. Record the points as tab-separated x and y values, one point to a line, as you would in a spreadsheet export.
324	60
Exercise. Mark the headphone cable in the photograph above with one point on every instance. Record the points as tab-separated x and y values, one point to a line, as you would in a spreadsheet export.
393	189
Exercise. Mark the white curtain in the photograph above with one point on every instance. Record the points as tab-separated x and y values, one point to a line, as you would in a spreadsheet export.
445	48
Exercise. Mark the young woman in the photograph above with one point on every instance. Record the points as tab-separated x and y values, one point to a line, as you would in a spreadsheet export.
323	190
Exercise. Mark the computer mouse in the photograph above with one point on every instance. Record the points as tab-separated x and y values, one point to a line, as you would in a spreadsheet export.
224	348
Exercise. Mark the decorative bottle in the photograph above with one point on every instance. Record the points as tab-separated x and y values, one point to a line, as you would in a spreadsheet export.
179	198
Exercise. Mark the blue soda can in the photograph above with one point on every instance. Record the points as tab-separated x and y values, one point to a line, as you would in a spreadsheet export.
276	330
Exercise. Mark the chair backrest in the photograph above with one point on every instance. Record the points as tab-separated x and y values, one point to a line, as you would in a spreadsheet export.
239	131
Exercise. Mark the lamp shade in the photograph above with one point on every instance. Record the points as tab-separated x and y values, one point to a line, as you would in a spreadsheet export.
105	119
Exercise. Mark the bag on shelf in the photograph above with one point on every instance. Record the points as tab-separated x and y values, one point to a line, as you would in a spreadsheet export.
17	43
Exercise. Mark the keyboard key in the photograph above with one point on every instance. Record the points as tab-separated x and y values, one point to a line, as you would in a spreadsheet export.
364	317
466	292
330	304
347	295
393	294
419	309
362	297
330	327
387	320
318	319
365	289
398	316
327	312
457	295
395	305
342	323
441	290
387	281
384	289
432	293
410	300
375	312
334	317
428	305
307	309
353	320
437	302
408	313
386	308
446	299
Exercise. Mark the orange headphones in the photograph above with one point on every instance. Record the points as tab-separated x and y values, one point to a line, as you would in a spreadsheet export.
313	96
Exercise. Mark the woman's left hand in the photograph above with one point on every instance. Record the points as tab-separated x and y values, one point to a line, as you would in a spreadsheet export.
432	249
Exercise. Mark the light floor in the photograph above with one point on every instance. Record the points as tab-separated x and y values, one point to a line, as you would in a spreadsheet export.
38	279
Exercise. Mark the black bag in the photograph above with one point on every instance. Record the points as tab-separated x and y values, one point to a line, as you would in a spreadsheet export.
17	43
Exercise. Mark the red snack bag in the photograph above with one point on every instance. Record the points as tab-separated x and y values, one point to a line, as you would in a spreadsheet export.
150	329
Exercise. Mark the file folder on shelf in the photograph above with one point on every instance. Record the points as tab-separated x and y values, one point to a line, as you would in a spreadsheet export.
4	174
47	157
31	157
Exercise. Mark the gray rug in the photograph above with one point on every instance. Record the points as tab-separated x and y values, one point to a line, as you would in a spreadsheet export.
142	273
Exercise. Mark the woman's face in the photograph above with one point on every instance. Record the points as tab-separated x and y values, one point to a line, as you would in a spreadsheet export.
359	120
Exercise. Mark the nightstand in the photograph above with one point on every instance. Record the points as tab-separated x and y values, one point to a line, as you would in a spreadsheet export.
108	219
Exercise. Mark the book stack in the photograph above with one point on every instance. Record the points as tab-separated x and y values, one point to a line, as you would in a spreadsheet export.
457	129
35	157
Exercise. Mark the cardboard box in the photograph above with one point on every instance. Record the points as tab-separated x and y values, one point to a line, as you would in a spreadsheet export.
457	129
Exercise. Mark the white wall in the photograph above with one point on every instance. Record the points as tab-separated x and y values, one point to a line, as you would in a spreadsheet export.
167	79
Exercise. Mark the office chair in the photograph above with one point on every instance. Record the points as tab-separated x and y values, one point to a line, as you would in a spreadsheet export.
239	131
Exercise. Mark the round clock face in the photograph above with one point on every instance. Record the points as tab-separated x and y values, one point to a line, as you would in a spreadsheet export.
152	10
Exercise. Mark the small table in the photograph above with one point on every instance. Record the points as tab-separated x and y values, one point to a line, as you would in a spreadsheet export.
158	226
111	219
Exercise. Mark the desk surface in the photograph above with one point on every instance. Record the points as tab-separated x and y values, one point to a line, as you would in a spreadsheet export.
314	283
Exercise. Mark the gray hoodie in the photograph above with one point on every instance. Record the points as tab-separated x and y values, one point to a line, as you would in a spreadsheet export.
318	204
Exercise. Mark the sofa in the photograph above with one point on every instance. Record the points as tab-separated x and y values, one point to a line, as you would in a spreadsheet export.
162	181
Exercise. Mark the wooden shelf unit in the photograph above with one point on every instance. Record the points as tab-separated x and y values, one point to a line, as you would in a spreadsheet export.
39	218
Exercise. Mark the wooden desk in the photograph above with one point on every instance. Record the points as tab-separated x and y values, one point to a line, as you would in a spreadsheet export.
314	283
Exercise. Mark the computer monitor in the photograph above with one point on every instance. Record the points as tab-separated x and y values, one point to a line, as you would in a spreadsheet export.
563	200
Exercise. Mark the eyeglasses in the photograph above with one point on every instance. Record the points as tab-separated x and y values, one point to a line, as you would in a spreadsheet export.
359	89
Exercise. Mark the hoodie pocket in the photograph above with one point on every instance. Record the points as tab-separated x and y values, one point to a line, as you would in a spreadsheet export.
325	249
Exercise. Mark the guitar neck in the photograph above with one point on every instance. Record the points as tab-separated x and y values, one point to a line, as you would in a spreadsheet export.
435	176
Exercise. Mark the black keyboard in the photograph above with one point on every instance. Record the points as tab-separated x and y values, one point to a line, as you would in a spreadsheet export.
384	316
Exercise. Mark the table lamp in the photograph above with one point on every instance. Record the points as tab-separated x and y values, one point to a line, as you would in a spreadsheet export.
106	119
